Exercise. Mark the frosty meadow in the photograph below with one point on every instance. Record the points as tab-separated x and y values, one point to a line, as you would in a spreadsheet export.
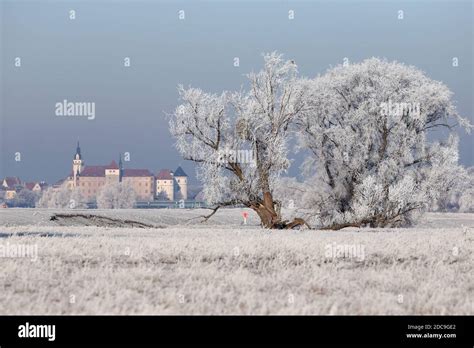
223	267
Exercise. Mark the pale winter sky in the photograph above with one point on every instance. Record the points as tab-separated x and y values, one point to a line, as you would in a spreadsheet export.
82	60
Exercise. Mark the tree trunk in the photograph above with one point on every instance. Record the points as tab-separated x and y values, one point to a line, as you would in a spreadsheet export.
269	217
266	212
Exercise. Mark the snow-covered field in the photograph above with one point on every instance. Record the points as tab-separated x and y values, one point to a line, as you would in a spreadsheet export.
224	267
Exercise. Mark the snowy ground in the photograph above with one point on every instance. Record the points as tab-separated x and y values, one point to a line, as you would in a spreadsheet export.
223	267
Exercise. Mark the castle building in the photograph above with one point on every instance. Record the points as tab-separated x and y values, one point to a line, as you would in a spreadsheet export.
90	180
142	181
165	185
172	185
181	183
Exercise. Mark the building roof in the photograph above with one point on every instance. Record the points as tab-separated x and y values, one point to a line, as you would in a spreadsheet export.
180	172
59	183
112	165
93	171
165	174
136	172
98	171
30	185
12	181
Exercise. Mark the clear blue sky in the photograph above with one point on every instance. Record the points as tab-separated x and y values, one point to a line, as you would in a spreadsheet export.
82	60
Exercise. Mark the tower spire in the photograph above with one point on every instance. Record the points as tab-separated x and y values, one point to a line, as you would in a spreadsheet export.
78	150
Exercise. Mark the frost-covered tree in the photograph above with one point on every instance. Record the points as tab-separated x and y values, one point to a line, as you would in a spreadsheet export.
77	200
61	198
46	198
372	160
116	196
240	140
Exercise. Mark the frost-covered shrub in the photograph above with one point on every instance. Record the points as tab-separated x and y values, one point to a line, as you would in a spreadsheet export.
466	201
461	197
61	198
25	199
116	196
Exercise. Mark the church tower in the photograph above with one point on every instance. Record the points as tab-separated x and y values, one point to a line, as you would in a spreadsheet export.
77	165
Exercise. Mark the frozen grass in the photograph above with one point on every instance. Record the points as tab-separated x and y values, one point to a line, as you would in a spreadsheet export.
225	268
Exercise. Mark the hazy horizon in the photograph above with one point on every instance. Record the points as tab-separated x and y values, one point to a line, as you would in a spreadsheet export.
82	60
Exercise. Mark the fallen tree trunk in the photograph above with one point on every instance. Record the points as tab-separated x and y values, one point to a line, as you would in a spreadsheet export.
97	220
